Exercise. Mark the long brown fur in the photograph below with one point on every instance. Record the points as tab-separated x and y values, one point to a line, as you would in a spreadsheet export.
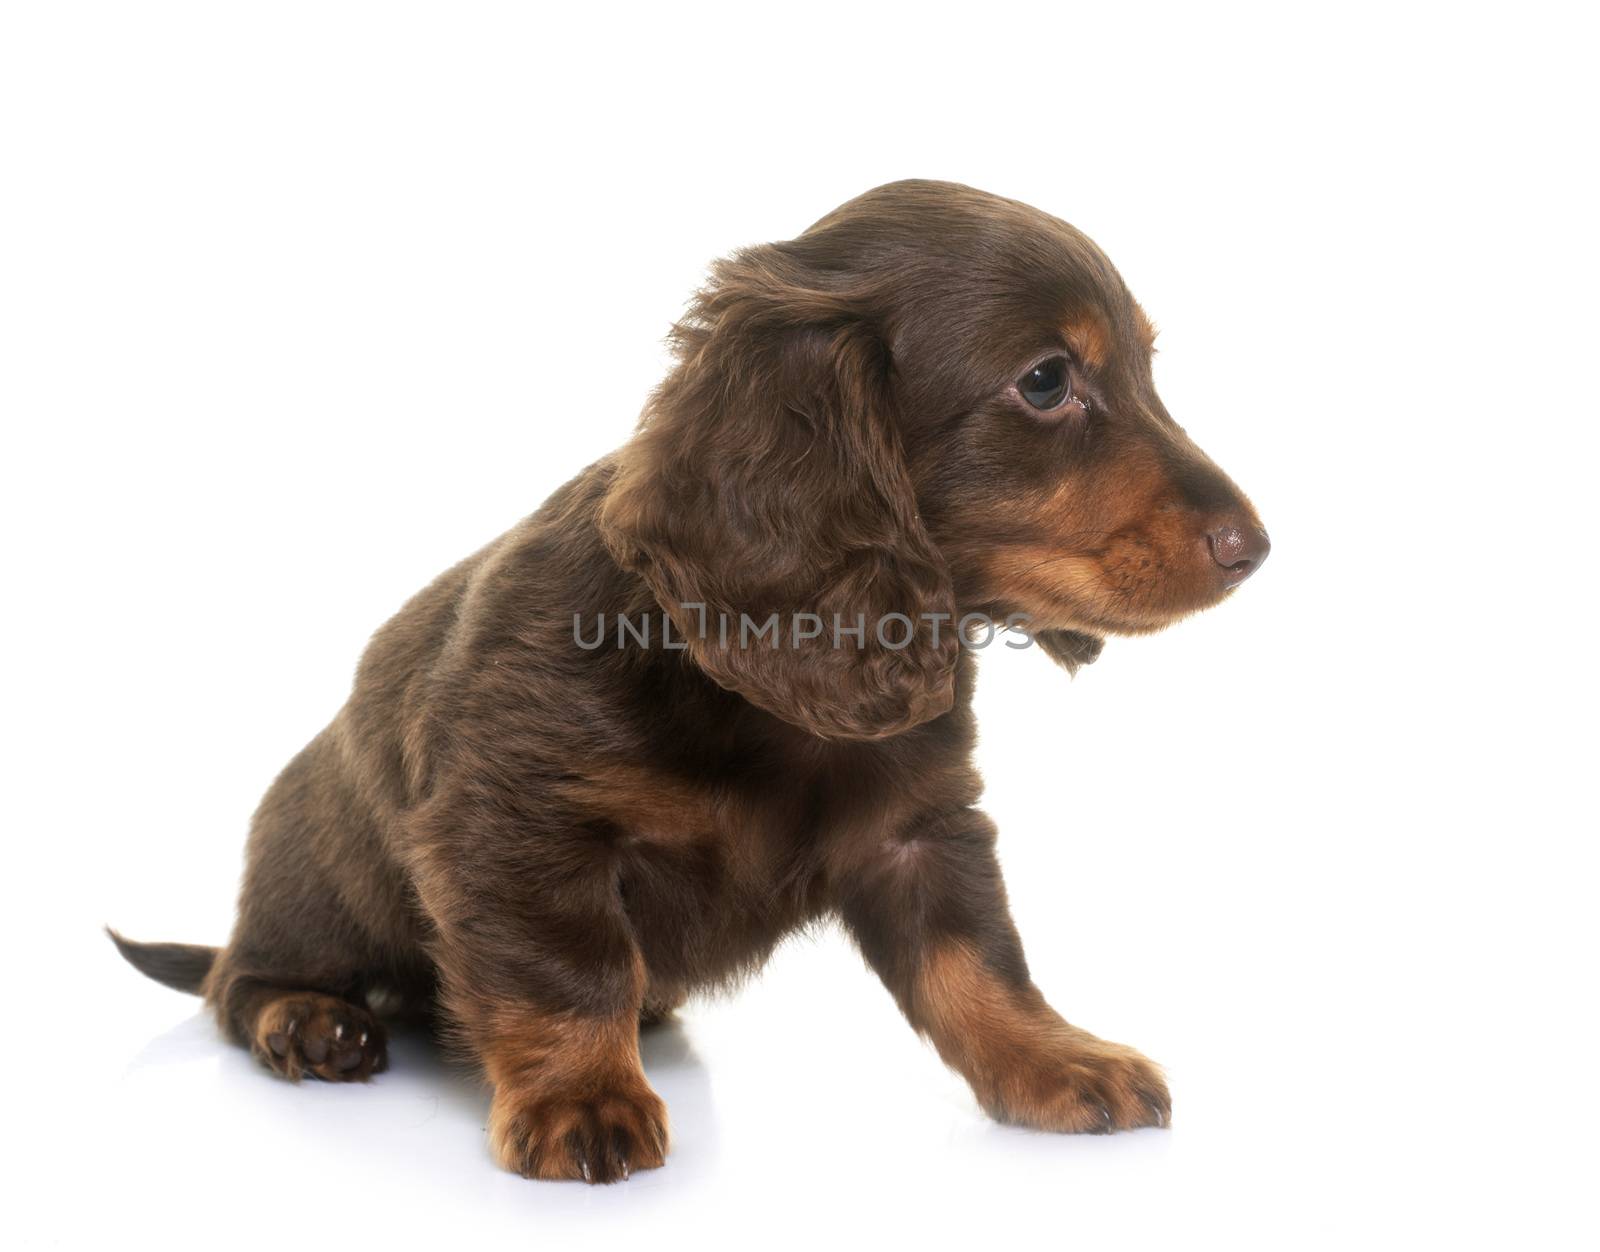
543	843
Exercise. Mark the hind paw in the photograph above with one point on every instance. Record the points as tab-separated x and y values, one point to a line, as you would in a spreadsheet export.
303	1033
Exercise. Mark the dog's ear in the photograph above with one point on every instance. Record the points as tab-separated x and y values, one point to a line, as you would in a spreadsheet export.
767	479
1070	649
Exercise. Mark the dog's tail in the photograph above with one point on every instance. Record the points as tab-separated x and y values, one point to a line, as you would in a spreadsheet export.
181	966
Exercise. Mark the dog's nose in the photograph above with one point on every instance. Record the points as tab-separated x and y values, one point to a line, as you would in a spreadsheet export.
1238	547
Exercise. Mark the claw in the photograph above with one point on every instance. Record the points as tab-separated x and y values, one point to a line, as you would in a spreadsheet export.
363	1039
338	1032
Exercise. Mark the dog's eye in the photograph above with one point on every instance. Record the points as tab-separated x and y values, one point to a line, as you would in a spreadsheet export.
1048	385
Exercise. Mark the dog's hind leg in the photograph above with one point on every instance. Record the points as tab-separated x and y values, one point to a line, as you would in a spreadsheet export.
293	1027
291	986
298	1032
323	922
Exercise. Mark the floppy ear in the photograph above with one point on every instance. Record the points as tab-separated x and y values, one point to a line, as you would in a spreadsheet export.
1070	649
767	478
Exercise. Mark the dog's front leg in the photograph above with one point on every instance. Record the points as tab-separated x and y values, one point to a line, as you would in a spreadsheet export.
540	976
928	909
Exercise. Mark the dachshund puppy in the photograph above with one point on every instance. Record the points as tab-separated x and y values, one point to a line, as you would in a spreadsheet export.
719	686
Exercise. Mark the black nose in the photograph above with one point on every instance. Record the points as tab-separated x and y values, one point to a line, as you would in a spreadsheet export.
1239	547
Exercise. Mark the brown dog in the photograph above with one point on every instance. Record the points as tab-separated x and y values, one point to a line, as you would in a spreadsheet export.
551	812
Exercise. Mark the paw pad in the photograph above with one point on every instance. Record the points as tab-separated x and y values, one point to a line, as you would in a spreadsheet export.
322	1036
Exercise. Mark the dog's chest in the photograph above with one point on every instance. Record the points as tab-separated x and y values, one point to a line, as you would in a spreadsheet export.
715	864
713	878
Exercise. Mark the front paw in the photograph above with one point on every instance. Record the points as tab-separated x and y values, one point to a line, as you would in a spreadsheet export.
599	1137
1088	1086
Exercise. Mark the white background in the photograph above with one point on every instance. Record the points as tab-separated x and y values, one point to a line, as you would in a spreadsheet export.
300	303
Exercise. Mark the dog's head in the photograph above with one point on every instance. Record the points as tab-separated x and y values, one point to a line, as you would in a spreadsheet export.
935	402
